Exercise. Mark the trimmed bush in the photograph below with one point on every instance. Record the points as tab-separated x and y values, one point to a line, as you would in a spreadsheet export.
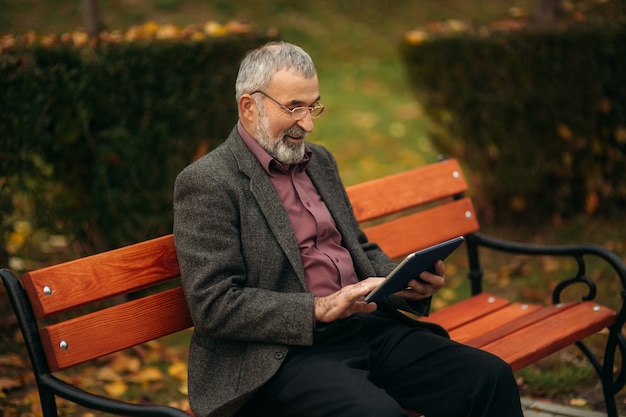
538	115
94	135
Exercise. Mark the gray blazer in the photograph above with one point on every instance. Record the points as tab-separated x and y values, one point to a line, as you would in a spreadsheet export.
242	274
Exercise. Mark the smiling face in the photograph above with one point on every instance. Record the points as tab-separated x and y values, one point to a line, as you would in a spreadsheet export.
273	126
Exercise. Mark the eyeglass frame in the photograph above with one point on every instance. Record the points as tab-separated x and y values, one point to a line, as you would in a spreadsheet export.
310	109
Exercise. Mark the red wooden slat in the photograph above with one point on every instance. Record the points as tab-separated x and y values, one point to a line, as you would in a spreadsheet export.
500	327
387	195
545	337
495	325
401	236
119	327
101	276
467	310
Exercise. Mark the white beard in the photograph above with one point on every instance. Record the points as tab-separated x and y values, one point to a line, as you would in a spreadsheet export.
279	147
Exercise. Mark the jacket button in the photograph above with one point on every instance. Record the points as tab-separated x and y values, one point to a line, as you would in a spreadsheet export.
279	355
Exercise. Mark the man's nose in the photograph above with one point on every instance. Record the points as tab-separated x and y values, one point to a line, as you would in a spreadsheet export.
306	122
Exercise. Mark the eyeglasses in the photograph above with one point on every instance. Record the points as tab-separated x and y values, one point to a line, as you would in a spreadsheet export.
298	113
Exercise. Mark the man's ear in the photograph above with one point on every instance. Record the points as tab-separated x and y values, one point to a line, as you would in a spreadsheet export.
247	107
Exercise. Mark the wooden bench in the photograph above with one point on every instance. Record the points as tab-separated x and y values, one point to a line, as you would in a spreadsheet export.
402	212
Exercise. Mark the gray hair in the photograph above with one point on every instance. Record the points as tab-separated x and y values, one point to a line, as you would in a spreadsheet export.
259	66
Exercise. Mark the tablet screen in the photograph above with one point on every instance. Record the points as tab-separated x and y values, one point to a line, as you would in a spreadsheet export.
412	266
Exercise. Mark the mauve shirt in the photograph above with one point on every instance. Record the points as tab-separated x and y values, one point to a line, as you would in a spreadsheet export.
327	265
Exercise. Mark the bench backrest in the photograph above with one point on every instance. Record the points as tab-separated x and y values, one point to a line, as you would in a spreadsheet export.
403	213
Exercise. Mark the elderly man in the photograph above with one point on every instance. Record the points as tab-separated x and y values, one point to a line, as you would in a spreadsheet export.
275	267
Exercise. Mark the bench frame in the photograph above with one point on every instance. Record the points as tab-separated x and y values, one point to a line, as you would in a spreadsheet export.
386	208
616	342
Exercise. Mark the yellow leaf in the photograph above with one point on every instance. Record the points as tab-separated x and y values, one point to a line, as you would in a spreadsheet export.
125	363
550	264
451	269
178	370
107	374
116	389
197	36
79	38
446	293
578	402
564	132
150	28
415	37
153	344
215	29
148	374
439	303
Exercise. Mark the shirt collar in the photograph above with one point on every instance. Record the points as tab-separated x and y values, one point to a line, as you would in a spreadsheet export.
270	165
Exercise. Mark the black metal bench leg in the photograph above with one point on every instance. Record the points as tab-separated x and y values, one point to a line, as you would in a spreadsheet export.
610	385
48	403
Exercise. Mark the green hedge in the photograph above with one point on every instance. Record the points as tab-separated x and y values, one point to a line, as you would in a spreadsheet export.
93	136
538	116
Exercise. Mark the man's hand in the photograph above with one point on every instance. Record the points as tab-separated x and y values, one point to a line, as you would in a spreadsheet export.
427	285
346	302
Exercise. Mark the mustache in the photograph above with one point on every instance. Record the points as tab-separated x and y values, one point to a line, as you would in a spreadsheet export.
295	132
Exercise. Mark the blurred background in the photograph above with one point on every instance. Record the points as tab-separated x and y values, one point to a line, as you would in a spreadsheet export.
103	102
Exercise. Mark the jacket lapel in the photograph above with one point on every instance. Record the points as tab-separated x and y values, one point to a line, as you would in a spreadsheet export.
268	201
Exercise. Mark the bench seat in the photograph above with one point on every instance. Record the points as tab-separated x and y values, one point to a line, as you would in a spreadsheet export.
517	332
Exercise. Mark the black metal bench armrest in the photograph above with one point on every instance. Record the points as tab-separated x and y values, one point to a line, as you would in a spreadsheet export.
96	402
48	385
577	252
615	342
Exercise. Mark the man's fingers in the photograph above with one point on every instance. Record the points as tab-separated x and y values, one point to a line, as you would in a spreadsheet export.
346	301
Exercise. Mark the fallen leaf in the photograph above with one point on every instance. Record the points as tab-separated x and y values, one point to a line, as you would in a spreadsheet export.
108	374
550	264
178	370
116	389
148	374
578	402
7	384
125	363
12	359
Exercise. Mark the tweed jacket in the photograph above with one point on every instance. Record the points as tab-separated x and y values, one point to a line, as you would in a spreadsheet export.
242	274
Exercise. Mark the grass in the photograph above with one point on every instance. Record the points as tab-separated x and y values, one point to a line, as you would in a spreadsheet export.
373	124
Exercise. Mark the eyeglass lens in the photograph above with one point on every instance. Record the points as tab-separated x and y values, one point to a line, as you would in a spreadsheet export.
297	113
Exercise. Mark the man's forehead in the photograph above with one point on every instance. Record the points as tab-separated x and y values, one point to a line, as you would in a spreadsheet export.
294	85
291	78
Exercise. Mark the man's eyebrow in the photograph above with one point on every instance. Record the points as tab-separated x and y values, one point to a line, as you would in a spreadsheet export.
302	103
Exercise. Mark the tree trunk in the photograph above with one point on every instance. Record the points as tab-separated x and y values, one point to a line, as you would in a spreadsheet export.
92	18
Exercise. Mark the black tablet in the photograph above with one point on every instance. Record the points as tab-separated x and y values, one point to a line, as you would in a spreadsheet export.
412	266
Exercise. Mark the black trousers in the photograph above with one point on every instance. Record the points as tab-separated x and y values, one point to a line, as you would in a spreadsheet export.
369	365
